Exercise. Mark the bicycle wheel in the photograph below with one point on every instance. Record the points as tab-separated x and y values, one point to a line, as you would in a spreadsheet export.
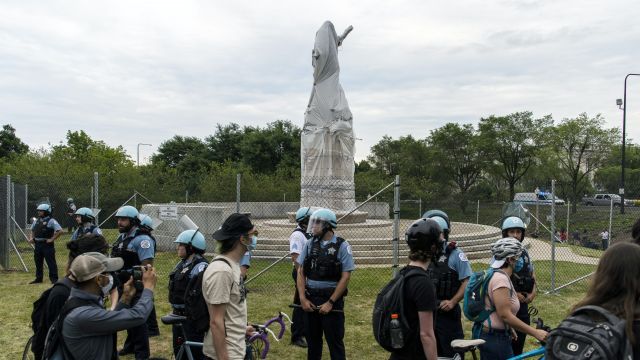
27	354
254	349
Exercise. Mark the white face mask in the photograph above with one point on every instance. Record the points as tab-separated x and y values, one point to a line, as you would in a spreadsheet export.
107	288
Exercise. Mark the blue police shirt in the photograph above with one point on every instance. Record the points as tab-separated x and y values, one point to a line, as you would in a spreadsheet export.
458	261
51	224
345	256
246	260
76	234
144	246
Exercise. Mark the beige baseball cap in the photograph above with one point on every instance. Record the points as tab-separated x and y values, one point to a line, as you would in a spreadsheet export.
89	265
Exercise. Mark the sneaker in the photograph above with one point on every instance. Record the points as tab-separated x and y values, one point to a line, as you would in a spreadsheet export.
124	352
36	281
301	342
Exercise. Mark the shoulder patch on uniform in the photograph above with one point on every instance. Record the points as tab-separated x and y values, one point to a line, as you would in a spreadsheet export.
145	244
462	256
201	266
349	250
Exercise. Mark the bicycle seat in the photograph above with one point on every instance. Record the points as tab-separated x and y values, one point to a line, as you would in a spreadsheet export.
466	345
173	319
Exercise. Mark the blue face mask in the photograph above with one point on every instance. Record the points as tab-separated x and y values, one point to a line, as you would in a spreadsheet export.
253	244
519	264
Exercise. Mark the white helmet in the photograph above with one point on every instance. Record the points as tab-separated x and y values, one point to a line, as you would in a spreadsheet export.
506	248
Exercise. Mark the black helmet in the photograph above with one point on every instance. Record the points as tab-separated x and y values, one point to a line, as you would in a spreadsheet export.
423	234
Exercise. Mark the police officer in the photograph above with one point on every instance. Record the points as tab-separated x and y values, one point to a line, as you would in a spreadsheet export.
325	266
297	240
135	248
146	227
450	273
86	223
71	210
190	245
44	231
524	281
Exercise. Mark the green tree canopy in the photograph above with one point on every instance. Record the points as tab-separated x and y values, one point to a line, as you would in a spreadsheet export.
10	144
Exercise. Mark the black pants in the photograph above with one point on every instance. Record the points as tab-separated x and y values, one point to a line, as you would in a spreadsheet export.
191	335
297	328
330	325
45	252
152	321
138	337
448	327
523	314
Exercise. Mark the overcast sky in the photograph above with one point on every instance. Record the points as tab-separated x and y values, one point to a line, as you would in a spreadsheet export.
130	72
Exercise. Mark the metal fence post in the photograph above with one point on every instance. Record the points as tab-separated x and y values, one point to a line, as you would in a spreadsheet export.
238	178
568	214
605	246
553	231
478	212
12	214
26	205
4	247
96	195
396	224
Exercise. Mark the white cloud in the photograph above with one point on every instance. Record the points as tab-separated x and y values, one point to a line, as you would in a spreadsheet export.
130	72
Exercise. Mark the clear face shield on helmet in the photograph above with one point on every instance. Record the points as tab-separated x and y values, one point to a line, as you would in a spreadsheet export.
317	226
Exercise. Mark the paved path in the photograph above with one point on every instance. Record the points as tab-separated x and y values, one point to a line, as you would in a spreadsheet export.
541	250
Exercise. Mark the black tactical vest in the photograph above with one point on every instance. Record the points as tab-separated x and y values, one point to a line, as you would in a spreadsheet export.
523	280
41	231
119	249
443	277
323	264
179	279
81	230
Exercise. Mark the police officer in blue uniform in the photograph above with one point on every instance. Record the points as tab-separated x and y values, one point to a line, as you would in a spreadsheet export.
146	227
86	224
297	239
325	266
135	248
449	272
44	231
524	281
190	245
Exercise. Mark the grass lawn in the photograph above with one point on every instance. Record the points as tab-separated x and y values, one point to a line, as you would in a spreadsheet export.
269	294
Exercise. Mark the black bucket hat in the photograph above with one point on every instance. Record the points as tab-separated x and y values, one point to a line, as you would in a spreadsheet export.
234	226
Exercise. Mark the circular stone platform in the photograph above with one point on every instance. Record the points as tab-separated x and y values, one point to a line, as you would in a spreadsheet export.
368	223
355	217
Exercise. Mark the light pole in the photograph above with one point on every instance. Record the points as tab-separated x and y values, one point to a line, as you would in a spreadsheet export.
138	152
623	105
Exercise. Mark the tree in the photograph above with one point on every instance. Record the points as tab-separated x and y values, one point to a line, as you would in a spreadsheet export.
224	145
513	141
10	144
276	146
581	145
458	157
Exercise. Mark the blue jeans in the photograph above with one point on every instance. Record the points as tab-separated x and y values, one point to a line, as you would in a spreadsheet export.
497	345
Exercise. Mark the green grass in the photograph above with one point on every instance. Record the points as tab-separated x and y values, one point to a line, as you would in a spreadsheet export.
269	294
583	251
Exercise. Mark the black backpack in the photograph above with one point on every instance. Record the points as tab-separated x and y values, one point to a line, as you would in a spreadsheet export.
54	346
390	300
195	306
38	319
590	332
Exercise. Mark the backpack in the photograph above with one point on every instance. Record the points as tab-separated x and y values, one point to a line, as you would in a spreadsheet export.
54	346
390	300
195	306
38	319
474	306
590	332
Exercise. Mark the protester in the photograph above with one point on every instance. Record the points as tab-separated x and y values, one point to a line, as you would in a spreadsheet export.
88	329
497	331
424	239
616	287
223	290
325	266
44	231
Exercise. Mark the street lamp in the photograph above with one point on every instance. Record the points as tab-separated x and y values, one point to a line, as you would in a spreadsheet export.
623	105
138	152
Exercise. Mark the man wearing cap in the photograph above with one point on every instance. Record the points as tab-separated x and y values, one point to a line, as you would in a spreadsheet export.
223	290
88	330
44	231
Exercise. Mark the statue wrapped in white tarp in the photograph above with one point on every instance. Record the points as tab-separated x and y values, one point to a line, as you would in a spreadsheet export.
327	148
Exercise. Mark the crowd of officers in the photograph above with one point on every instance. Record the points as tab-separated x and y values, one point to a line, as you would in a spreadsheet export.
322	266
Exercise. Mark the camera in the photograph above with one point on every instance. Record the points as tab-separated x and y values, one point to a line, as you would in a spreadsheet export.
136	272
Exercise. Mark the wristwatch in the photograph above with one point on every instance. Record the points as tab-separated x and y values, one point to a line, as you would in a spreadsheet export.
331	301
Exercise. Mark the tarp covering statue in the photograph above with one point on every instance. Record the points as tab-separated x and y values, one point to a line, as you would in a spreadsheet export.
327	150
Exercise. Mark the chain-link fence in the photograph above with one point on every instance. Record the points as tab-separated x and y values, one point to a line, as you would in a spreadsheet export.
374	227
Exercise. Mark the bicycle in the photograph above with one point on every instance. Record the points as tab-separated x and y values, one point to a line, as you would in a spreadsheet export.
258	344
463	346
27	354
